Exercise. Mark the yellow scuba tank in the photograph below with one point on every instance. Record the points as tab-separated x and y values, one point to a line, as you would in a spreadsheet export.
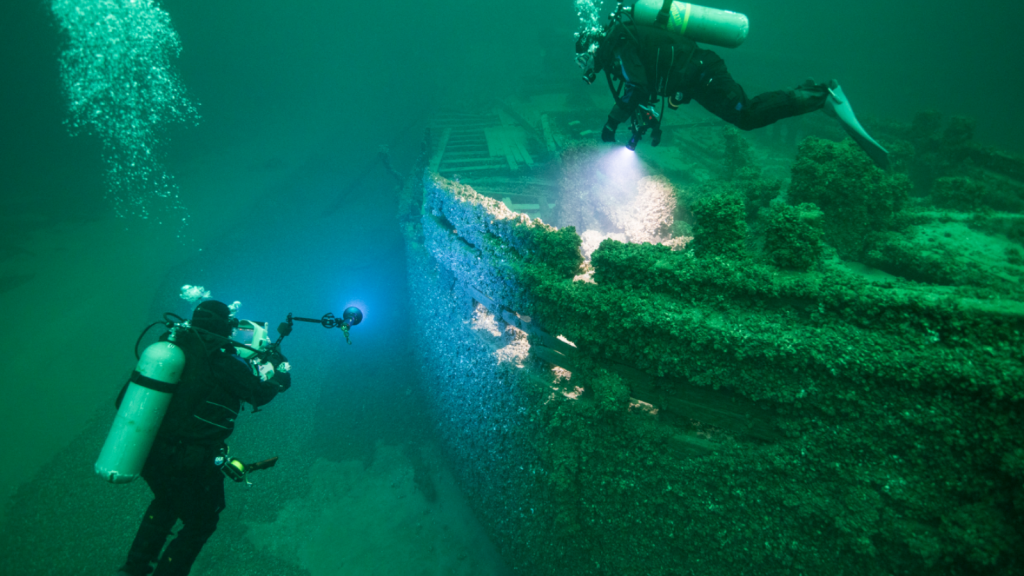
699	23
142	409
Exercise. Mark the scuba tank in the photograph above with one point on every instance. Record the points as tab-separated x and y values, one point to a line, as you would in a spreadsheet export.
698	23
142	410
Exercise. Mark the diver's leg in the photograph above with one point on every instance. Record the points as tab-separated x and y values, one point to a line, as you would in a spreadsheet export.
200	509
710	83
770	107
715	89
156	525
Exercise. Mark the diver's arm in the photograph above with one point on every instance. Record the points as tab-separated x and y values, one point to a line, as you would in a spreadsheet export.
635	76
630	68
283	380
236	377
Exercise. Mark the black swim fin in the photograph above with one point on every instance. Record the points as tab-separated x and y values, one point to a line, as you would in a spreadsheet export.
838	107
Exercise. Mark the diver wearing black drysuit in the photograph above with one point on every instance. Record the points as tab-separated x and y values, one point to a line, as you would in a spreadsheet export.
651	61
180	469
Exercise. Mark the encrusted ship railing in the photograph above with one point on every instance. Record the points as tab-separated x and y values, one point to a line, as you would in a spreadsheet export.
475	238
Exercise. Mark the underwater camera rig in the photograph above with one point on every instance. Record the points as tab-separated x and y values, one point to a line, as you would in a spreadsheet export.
349	318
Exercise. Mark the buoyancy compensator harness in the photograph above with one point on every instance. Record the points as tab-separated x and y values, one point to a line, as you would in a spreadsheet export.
682	19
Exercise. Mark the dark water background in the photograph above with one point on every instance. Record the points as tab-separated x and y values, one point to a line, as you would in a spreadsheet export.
295	99
362	71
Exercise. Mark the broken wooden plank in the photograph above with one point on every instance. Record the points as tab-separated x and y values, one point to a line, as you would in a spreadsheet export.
484	299
476	160
505	133
549	139
553	357
510	156
435	161
495	145
518	139
477	168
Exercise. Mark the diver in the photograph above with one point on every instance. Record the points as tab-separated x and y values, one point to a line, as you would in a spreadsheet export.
643	50
181	468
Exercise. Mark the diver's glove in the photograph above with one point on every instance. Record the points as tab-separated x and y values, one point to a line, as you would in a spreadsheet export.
283	380
275	357
608	132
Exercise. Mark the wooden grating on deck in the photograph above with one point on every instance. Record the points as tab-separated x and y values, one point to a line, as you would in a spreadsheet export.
475	144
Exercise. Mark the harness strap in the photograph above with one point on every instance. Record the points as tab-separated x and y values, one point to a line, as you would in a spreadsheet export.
657	76
152	384
667	77
616	92
682	75
662	18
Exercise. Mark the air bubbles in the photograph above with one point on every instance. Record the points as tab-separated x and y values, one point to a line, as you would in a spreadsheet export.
120	85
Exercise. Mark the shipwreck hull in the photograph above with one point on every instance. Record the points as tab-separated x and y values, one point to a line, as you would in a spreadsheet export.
690	414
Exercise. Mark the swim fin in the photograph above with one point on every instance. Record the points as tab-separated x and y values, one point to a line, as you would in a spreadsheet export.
838	107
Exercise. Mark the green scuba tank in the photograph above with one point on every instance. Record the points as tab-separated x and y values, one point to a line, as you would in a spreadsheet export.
142	410
698	23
